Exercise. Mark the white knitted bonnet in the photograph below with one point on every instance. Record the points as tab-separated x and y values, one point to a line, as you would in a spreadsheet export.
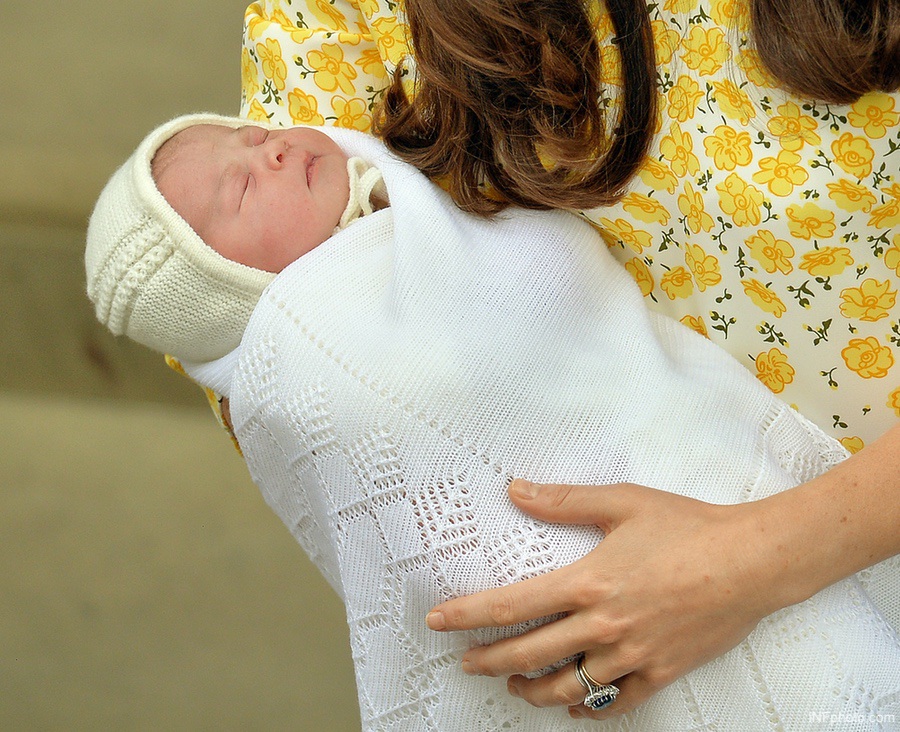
150	275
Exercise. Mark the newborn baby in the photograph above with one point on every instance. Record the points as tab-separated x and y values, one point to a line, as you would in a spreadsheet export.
257	196
188	233
390	381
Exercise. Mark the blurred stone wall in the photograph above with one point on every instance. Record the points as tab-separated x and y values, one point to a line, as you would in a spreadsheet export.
146	586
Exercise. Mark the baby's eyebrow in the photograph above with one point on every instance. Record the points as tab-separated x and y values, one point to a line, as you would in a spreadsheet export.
245	136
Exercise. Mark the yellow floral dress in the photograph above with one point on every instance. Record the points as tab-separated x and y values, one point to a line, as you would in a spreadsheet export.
766	222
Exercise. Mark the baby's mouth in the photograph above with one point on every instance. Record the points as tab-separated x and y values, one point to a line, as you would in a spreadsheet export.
309	169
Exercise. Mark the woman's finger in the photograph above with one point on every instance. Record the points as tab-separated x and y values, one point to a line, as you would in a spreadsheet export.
562	687
530	599
553	592
532	651
605	506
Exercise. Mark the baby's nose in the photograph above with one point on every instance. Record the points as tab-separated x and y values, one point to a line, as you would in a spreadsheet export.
273	151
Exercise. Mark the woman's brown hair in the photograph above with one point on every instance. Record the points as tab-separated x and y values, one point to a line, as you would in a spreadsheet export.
830	50
509	107
503	86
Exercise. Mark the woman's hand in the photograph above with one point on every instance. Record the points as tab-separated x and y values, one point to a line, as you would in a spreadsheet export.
675	583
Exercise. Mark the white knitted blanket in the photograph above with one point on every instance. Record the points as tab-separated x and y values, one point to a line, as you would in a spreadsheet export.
392	381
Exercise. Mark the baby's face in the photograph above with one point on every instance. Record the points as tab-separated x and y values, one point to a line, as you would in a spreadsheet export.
257	196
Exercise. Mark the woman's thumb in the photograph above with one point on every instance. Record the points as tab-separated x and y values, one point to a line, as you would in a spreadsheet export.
599	505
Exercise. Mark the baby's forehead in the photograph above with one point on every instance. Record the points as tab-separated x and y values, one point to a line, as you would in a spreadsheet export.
191	139
186	172
202	133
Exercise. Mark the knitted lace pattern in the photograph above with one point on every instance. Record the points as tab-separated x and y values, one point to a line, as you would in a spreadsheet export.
394	380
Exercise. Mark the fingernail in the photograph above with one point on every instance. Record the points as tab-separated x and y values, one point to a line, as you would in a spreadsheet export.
512	689
576	713
468	668
435	620
524	489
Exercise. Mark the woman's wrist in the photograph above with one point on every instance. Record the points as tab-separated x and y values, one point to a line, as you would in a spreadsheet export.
792	559
822	531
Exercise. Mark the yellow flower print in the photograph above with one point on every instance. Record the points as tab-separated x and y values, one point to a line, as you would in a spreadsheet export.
298	35
749	61
793	128
644	208
730	13
665	41
249	75
683	99
809	220
874	113
660	116
368	7
827	261
773	370
734	102
278	16
610	65
257	113
608	239
176	365
740	200
888	214
696	324
705	267
773	254
763	297
391	37
853	154
370	62
352	113
623	231
894	401
255	21
677	282
690	203
705	50
680	6
657	176
332	72
678	149
351	38
852	444
728	148
641	274
851	196
329	16
869	302
273	65
601	21
868	358
892	256
304	108
781	174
